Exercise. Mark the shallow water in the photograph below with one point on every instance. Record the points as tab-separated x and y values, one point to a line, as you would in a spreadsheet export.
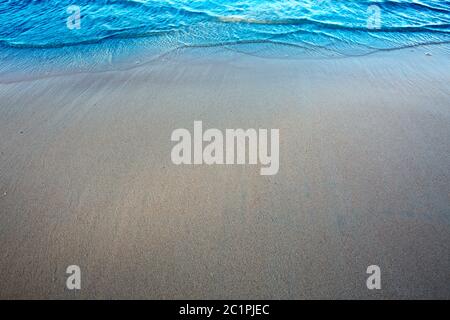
112	29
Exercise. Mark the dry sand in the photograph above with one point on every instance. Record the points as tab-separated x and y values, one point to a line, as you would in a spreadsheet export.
86	179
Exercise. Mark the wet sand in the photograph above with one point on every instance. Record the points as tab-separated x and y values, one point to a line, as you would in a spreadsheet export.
86	179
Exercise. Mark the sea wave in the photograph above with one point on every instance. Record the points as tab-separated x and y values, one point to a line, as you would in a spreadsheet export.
42	24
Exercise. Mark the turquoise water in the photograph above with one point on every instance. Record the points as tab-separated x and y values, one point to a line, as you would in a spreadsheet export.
110	29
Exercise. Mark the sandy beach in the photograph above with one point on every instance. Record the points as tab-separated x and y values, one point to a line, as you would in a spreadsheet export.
86	178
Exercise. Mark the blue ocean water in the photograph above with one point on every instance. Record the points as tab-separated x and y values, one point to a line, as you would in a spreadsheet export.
322	27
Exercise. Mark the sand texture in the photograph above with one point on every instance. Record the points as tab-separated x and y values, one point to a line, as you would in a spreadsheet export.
86	178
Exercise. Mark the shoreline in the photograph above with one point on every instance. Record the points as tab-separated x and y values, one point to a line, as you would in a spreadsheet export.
153	56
